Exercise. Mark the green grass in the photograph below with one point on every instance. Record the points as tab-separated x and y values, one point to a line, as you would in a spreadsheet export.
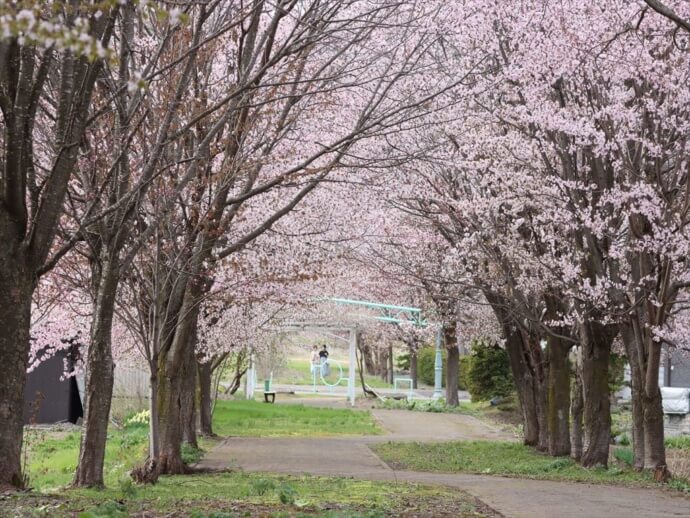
52	456
248	494
251	418
501	458
298	372
681	442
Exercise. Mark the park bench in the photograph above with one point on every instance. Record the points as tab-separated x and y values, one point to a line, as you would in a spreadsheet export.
268	391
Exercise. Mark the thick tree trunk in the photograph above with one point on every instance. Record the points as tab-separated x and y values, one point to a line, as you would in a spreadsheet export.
595	346
171	385
540	393
524	384
170	422
576	411
98	389
16	290
413	367
558	396
636	389
654	449
525	363
205	401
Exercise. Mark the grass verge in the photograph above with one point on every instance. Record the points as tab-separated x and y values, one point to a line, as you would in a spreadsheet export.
503	458
245	494
255	419
52	455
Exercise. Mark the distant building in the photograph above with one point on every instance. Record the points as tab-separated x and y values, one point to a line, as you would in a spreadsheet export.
48	398
675	371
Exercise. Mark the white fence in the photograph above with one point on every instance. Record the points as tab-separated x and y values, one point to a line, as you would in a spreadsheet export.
131	382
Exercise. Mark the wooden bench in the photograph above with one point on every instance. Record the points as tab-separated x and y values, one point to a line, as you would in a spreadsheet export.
270	394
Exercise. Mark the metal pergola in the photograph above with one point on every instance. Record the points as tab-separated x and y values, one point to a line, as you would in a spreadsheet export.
390	313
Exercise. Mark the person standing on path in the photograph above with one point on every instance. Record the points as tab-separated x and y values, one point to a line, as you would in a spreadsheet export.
315	358
323	357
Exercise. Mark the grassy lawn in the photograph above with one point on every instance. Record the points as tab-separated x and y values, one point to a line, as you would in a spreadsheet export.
52	455
243	494
298	372
251	418
504	458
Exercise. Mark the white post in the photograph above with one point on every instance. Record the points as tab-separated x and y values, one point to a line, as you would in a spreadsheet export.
438	367
353	366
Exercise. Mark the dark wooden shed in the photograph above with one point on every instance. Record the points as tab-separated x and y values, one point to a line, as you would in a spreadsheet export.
48	398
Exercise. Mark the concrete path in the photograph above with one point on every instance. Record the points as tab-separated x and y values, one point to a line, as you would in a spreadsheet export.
351	456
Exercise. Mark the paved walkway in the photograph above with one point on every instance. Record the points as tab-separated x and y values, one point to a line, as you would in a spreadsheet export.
351	456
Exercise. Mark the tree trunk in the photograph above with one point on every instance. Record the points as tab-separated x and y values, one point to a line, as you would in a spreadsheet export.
558	396
171	383
576	410
525	362
654	449
154	423
524	383
450	340
595	346
413	367
205	403
98	388
170	423
636	390
391	365
452	376
16	290
188	399
540	394
383	364
369	360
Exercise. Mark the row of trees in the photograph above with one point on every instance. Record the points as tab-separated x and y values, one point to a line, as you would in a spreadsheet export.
155	158
558	198
176	173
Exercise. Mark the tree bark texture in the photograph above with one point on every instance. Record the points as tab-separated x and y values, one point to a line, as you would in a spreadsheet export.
596	340
15	317
188	397
636	390
576	411
526	383
452	364
171	382
205	377
99	381
558	396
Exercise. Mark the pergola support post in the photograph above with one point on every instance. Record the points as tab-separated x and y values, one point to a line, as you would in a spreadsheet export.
354	335
438	367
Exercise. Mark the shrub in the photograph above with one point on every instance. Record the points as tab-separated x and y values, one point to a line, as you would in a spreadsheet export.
616	376
426	364
489	373
287	494
261	486
625	455
426	358
402	362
